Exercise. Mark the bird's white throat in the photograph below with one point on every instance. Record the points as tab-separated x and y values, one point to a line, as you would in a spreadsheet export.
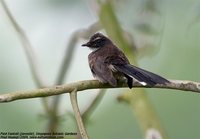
95	49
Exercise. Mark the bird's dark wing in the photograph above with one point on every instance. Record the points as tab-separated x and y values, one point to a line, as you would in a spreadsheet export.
141	74
101	71
121	64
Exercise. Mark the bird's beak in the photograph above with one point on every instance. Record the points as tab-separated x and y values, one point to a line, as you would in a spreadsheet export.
86	44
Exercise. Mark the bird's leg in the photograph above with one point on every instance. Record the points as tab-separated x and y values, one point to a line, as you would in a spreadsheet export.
129	81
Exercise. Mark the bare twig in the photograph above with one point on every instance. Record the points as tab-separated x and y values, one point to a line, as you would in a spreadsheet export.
94	84
92	106
37	76
82	130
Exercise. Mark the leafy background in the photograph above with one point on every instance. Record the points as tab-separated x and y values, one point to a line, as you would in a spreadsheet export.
173	51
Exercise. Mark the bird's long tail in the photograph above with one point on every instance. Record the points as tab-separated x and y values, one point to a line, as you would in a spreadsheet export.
141	75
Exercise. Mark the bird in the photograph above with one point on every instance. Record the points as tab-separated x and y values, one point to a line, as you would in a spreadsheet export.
108	64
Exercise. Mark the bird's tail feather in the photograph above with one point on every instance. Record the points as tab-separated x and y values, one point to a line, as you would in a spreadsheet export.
141	74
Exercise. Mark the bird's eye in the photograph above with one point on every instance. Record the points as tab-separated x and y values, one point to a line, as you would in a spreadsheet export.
97	41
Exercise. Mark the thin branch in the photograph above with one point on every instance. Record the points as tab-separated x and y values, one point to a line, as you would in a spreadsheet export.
82	130
92	107
37	76
94	84
33	64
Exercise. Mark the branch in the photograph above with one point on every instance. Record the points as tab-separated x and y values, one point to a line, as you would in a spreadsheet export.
73	98
94	84
81	33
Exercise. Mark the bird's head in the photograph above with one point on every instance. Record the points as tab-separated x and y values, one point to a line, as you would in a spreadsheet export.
96	41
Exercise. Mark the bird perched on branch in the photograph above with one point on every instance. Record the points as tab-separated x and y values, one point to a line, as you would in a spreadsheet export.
108	64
